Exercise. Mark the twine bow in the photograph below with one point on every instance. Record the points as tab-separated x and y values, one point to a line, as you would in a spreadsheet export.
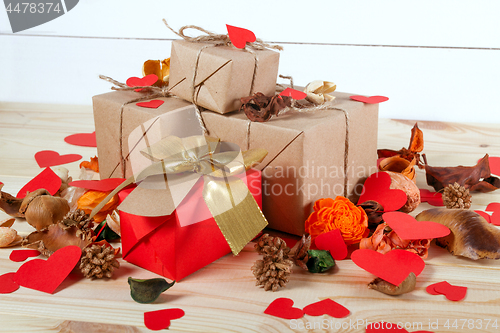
182	162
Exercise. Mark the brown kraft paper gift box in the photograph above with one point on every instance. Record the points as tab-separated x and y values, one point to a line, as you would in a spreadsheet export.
113	127
306	156
306	150
223	74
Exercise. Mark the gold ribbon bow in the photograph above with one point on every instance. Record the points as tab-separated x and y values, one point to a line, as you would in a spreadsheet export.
181	162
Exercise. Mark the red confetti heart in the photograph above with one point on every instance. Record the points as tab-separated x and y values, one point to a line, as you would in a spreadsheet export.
376	188
22	255
495	217
451	292
383	327
146	81
47	158
47	275
239	36
334	242
103	185
494	165
160	319
485	215
153	104
432	198
393	267
46	179
295	94
282	308
7	283
82	139
328	307
407	227
370	100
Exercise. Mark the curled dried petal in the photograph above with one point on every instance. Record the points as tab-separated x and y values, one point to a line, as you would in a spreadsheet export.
261	108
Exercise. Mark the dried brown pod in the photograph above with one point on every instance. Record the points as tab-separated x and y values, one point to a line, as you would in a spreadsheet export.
42	209
56	236
7	223
475	178
374	211
399	165
299	252
390	289
471	235
401	182
8	237
10	204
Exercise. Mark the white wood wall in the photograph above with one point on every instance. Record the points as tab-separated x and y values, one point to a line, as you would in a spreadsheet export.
434	59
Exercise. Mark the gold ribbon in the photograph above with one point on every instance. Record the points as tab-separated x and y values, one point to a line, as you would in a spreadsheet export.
184	161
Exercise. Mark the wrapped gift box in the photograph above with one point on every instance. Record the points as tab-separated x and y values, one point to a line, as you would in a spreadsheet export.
306	156
306	150
160	244
222	74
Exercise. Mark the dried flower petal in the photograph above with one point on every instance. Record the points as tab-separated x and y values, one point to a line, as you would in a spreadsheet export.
92	165
317	91
261	108
90	199
414	148
159	68
7	236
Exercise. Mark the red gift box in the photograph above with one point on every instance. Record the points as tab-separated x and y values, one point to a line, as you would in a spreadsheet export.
160	244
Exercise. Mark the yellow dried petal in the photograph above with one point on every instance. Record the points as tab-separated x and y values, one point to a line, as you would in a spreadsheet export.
159	68
317	91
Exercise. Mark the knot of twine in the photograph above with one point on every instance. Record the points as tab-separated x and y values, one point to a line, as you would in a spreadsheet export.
220	39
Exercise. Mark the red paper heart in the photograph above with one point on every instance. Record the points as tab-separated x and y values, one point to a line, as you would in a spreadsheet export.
334	242
46	179
432	198
47	275
103	185
295	94
22	255
160	319
370	100
82	139
451	292
239	36
153	104
406	227
485	215
7	283
146	81
383	327
47	158
494	165
328	307
393	267
495	217
282	308
376	188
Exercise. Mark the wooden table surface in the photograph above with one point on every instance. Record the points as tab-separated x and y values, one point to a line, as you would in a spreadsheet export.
222	297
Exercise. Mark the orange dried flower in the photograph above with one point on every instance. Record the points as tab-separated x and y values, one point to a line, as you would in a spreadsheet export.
342	214
92	165
384	242
90	199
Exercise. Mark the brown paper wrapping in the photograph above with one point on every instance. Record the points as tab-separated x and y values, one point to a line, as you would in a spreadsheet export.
306	150
223	75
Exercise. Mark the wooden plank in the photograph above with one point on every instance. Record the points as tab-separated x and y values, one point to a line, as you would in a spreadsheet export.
435	84
459	23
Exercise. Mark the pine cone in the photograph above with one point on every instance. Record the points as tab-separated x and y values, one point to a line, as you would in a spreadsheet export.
456	196
268	245
272	271
98	261
78	218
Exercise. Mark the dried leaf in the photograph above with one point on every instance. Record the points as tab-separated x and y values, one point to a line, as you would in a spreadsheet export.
261	108
319	261
104	232
416	140
147	291
476	178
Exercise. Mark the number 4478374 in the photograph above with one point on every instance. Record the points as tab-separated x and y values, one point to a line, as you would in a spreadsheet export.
471	324
33	7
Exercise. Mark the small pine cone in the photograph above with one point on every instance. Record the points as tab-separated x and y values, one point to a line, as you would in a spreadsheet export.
272	272
456	196
98	262
267	245
78	218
